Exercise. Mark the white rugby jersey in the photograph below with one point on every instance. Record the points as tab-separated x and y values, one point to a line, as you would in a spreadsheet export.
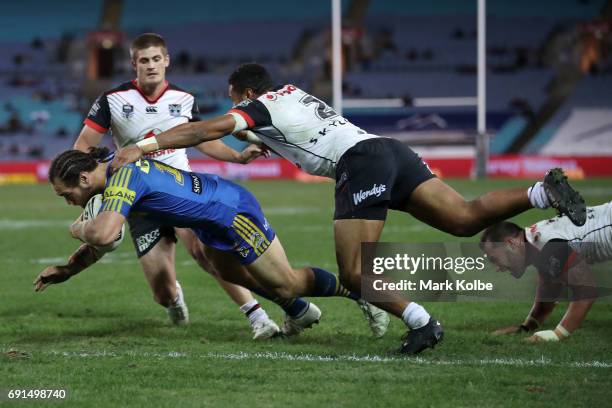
301	128
131	116
593	240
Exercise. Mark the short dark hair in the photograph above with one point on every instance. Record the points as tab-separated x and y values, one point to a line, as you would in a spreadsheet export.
499	232
67	166
147	40
252	76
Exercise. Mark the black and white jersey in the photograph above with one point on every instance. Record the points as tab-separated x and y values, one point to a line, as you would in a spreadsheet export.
593	240
299	127
131	117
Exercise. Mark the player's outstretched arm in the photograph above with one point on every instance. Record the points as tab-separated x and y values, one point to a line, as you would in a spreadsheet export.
185	135
99	231
584	293
537	315
82	258
220	151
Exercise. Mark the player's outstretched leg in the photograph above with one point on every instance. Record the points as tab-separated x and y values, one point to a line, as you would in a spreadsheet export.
300	313
424	330
273	268
262	326
158	267
439	205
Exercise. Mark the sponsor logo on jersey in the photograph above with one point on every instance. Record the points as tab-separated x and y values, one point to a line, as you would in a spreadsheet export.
151	109
94	108
128	110
121	193
375	191
174	109
196	184
286	90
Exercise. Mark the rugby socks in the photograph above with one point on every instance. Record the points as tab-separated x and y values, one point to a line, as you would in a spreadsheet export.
415	315
537	196
327	284
293	307
254	312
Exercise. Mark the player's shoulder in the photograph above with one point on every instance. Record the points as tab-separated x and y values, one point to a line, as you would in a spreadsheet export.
280	94
123	87
126	170
176	88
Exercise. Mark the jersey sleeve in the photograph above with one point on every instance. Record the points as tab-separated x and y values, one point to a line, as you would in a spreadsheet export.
254	113
123	190
99	116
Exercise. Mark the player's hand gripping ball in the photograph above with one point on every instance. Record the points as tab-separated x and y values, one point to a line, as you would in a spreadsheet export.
92	209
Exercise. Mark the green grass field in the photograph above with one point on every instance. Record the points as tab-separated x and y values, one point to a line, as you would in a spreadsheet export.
101	336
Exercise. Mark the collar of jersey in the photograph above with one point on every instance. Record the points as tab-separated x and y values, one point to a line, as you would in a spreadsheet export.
166	86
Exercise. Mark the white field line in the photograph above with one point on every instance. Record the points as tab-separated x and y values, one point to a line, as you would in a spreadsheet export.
276	356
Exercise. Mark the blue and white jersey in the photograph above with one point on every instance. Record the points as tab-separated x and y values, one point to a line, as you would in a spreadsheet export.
223	214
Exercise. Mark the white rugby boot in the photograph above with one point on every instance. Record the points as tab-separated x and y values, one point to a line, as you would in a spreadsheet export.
377	318
264	329
177	311
295	325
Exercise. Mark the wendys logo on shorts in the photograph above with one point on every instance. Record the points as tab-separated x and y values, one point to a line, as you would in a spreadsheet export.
375	191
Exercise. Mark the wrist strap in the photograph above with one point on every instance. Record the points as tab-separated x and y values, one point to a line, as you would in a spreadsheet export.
561	332
148	145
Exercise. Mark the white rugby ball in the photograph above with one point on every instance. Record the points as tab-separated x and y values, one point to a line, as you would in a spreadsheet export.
92	208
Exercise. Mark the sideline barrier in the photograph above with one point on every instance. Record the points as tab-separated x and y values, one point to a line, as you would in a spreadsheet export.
533	167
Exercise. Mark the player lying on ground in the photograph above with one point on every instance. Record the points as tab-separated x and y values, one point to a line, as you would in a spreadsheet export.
372	173
224	216
561	252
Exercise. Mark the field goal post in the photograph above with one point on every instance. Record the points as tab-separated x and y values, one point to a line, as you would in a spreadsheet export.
482	138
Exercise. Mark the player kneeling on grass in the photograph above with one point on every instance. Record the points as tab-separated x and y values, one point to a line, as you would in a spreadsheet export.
561	252
223	215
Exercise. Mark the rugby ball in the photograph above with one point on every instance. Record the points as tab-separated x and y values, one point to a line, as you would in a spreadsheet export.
92	208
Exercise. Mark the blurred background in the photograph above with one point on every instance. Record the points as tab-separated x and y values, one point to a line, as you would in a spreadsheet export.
409	71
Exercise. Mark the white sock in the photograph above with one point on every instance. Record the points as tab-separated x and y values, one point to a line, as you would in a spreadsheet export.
253	311
537	196
415	315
